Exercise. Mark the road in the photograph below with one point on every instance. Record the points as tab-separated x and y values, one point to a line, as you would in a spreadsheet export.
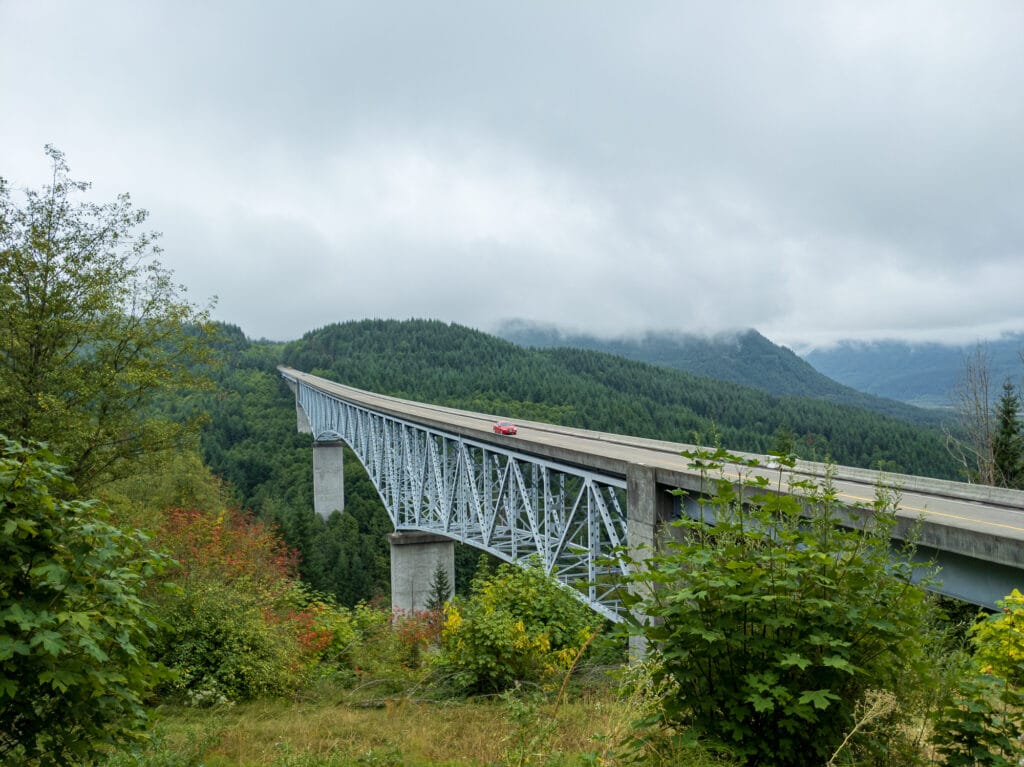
974	520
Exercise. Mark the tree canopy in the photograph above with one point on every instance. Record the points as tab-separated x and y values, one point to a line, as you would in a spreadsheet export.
74	627
92	327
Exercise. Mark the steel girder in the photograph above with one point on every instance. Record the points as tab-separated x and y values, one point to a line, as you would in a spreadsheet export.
519	507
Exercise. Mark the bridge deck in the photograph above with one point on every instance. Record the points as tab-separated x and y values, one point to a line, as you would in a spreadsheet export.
972	520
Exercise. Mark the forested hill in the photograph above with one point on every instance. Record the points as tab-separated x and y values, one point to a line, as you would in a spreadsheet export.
461	367
744	357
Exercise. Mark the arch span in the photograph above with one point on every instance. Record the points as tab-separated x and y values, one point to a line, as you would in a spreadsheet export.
514	505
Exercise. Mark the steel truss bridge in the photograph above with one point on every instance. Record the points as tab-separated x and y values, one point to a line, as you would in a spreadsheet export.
516	506
571	499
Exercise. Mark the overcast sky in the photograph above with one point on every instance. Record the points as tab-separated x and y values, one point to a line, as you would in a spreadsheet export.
814	170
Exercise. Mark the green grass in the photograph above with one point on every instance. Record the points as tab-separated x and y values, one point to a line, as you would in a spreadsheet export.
513	730
404	733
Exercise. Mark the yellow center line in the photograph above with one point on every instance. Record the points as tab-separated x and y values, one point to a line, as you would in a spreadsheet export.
930	512
946	514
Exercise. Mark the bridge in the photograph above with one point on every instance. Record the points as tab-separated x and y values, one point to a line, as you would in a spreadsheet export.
568	498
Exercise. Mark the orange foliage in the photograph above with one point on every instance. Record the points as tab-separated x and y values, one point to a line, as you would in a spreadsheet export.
229	545
417	630
312	637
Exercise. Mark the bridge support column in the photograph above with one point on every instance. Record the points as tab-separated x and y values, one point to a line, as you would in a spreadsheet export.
302	422
328	478
647	510
414	558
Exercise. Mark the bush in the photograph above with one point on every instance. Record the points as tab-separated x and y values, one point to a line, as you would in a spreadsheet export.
983	721
74	629
999	640
223	648
771	622
518	625
241	624
982	724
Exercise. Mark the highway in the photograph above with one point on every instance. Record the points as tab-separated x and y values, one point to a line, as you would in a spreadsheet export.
973	520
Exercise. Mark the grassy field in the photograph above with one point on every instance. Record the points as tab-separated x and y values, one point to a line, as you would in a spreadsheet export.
497	731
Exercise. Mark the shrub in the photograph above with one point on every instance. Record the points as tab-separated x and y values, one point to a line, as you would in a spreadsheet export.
771	621
983	722
241	624
74	629
999	640
223	646
518	625
229	545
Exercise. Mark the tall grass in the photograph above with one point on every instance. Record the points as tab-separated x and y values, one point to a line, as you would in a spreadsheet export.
281	734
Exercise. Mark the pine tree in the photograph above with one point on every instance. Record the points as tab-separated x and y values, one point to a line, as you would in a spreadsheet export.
1008	445
440	588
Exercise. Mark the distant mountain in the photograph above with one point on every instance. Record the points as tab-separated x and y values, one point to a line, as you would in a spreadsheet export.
745	357
921	374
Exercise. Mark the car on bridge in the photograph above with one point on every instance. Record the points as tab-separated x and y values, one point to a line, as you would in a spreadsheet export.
505	427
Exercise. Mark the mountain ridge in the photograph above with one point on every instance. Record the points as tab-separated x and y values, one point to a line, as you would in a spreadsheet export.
924	373
745	357
458	366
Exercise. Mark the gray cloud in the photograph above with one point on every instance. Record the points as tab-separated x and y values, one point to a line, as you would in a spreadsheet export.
815	170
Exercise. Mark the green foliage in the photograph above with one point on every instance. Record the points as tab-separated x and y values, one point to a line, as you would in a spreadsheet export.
386	651
516	626
176	479
92	329
999	640
983	722
440	588
74	628
223	648
771	621
1008	443
983	726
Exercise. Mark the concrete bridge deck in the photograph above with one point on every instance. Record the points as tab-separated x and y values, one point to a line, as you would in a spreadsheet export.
961	522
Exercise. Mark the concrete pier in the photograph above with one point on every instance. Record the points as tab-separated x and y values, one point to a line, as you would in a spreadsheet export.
328	478
648	509
414	557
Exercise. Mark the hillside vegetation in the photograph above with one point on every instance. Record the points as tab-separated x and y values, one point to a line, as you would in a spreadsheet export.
457	366
744	357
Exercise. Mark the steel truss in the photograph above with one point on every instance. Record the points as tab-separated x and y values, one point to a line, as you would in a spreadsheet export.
519	507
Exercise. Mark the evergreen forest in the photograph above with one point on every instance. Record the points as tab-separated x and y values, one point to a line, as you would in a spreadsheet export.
250	437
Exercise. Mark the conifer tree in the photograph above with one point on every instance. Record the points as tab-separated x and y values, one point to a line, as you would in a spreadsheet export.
1008	445
440	588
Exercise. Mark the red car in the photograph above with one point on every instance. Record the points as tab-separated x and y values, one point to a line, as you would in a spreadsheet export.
505	427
